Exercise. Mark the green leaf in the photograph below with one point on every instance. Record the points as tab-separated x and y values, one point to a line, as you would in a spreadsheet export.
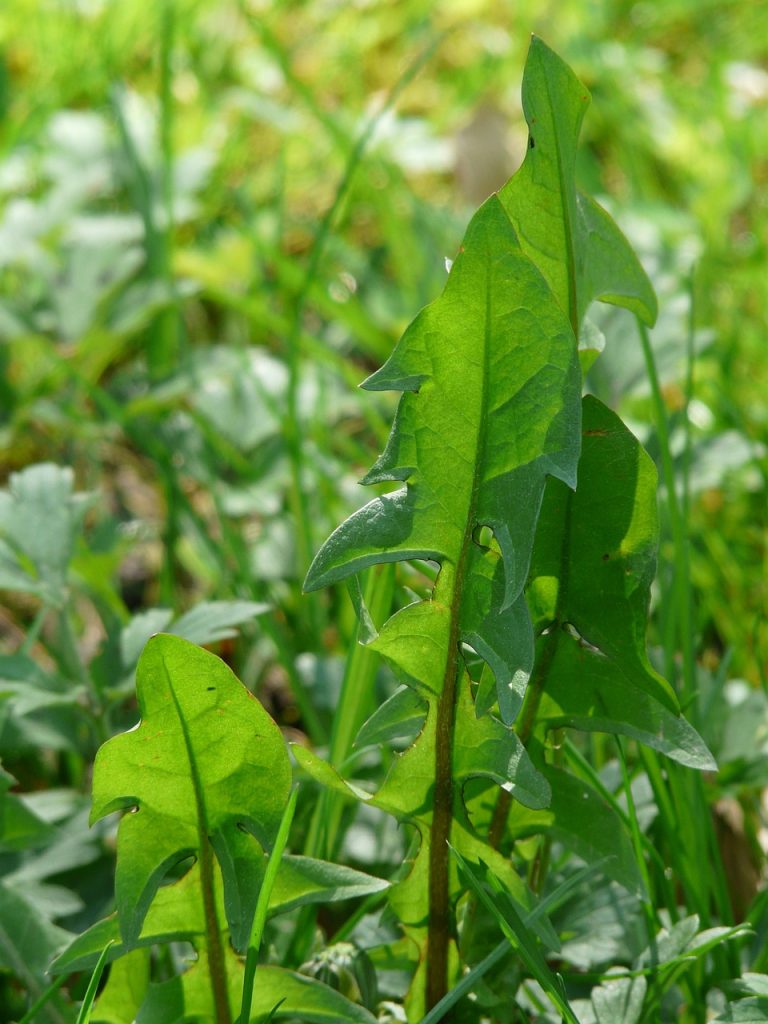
206	623
490	410
124	991
188	997
571	239
579	818
28	941
492	358
753	1010
684	941
176	912
598	674
751	983
210	621
40	519
619	1001
90	993
205	763
401	715
20	828
303	880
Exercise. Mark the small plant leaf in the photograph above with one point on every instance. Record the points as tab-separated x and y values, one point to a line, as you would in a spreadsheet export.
205	763
303	880
40	519
400	716
752	1010
619	1001
206	623
28	941
211	621
20	828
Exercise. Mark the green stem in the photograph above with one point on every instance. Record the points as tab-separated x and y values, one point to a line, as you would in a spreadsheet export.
538	681
217	970
438	936
357	693
262	906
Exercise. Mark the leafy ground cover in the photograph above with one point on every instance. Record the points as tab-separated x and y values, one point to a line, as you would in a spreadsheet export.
214	222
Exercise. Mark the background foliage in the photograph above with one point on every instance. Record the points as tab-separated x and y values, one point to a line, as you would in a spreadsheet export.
215	220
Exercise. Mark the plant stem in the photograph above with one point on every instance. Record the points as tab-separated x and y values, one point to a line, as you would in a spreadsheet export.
533	696
217	970
538	680
262	906
442	814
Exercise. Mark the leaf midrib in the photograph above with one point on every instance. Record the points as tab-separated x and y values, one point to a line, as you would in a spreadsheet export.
573	314
442	814
216	961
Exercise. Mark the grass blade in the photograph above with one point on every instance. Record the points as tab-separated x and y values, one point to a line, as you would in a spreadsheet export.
516	931
90	993
260	916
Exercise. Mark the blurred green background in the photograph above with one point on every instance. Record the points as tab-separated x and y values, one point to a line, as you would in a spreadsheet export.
216	218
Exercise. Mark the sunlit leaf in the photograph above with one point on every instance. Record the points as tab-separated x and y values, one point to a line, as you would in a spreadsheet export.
205	765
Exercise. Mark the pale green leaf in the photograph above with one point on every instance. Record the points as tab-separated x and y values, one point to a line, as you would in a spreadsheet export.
752	1010
619	1001
40	519
28	942
206	623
